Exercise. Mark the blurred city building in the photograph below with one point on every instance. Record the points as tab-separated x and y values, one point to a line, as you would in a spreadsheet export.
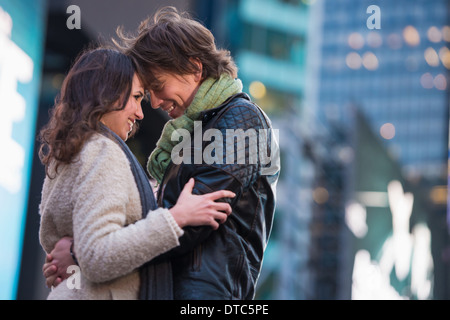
397	74
389	244
394	72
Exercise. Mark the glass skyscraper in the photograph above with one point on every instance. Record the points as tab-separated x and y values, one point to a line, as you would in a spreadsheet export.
396	75
388	62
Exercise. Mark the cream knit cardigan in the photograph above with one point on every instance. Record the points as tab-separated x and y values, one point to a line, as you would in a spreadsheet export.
95	200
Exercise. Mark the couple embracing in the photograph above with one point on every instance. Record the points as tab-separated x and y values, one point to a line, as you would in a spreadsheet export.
204	235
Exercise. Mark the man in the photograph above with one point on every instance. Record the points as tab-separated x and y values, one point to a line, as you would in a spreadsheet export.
188	77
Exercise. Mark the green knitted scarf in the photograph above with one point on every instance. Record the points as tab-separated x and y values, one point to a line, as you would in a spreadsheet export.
211	94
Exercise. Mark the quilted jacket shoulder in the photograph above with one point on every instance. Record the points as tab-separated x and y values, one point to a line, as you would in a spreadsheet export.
237	112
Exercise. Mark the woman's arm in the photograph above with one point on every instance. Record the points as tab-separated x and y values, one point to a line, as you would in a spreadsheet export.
105	246
99	218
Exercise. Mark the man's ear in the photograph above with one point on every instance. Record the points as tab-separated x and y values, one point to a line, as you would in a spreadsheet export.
199	73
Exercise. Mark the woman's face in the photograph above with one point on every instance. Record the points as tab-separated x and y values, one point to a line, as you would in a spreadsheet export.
121	122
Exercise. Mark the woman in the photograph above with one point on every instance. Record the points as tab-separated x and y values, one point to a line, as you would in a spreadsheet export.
94	191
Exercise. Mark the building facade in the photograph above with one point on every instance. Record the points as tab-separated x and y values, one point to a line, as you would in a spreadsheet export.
397	75
388	61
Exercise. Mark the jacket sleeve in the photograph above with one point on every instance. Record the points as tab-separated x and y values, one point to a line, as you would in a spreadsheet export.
226	175
105	246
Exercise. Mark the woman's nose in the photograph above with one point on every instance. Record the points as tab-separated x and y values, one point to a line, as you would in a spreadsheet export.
139	113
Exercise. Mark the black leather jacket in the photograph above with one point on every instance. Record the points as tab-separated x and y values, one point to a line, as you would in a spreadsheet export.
225	263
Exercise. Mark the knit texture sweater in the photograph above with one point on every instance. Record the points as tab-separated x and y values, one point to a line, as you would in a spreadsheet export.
95	200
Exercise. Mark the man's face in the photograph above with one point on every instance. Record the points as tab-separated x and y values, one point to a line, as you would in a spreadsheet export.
122	121
176	93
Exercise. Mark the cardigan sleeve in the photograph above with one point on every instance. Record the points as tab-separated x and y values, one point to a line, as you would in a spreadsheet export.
105	246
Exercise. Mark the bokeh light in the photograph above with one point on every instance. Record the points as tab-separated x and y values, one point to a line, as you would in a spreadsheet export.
370	61
353	60
356	40
434	34
431	57
257	89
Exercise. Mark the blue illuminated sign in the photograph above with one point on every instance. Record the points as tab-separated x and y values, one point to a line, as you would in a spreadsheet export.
21	46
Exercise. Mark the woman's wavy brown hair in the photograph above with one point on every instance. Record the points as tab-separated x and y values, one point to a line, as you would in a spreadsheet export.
99	82
172	42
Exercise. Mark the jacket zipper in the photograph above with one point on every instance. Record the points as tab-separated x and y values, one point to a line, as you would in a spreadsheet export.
197	258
